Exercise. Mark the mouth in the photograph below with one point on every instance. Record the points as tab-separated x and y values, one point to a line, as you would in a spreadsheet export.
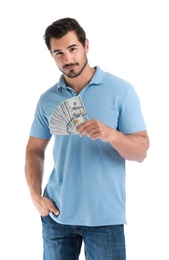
70	66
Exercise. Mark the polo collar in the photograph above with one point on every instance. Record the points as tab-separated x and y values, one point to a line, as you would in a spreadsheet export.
97	79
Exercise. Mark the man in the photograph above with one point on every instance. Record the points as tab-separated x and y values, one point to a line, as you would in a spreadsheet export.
84	199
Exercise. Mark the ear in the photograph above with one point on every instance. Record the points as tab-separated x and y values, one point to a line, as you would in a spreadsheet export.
87	45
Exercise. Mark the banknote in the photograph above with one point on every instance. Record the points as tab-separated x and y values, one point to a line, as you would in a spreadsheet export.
67	116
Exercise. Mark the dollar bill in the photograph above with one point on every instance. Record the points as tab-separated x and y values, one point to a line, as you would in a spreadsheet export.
67	116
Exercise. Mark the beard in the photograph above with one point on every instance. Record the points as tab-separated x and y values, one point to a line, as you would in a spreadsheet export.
72	73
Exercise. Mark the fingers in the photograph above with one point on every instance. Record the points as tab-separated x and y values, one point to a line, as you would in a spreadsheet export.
95	129
91	128
45	205
53	209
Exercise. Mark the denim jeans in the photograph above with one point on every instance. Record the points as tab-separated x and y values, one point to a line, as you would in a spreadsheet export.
63	242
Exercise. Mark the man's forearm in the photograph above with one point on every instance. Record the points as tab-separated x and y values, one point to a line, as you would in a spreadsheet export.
34	172
132	146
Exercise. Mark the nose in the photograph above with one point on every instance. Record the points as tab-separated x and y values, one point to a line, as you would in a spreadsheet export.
67	57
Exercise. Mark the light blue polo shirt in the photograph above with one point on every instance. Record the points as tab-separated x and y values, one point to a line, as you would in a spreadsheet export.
87	182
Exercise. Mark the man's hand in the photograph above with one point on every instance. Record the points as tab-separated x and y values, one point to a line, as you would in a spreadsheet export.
95	129
45	205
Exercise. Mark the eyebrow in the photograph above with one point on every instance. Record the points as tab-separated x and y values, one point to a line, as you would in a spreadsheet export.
69	47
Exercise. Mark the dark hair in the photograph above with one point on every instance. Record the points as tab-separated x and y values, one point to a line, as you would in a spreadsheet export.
61	27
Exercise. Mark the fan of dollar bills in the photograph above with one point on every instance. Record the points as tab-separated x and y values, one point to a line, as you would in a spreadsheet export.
67	116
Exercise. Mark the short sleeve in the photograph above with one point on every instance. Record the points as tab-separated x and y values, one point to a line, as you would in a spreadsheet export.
40	124
131	118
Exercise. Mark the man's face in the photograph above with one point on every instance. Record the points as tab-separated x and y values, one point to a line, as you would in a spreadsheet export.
69	54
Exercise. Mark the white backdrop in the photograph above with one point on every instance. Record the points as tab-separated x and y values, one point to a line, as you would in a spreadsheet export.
128	38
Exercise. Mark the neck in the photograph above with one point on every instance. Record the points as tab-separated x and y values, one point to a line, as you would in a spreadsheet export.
82	80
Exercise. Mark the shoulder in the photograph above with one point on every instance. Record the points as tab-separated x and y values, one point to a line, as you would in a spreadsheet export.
114	84
110	78
50	91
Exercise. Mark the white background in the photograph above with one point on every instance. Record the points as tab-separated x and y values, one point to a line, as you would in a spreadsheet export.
128	39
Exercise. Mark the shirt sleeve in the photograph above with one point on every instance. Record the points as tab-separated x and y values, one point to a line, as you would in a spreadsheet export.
40	124
131	118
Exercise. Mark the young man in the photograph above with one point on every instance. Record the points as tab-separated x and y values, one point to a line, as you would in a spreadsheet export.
84	199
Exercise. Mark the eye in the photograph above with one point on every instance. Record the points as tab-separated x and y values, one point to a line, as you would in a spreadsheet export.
73	49
58	54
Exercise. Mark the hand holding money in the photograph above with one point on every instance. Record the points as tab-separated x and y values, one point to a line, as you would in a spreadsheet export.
95	129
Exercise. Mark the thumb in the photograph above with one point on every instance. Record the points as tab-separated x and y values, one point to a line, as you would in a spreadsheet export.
53	209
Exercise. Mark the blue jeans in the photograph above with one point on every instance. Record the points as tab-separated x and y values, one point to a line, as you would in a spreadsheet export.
63	242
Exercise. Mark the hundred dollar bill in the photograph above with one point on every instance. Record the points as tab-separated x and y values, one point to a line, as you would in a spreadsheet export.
67	116
76	110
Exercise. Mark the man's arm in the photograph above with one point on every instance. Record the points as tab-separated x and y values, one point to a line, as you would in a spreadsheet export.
131	147
34	167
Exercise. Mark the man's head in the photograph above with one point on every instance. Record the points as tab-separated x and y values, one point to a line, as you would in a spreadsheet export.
61	27
68	45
